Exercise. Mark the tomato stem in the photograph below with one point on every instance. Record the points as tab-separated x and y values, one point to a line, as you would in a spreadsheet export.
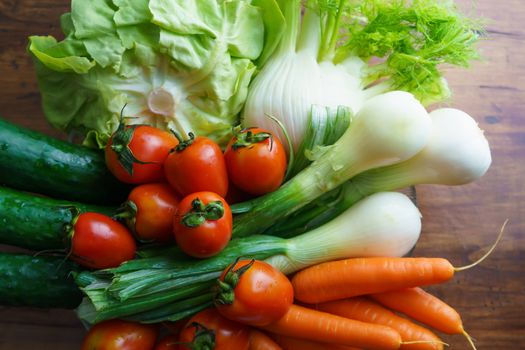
247	138
225	290
204	338
200	213
183	143
127	214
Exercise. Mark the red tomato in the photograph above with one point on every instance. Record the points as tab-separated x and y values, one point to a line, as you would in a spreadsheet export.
203	224
100	242
132	146
169	342
120	335
254	293
149	212
197	165
256	161
228	335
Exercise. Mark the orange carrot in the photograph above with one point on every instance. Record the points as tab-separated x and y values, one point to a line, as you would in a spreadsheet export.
366	310
359	276
309	324
288	343
425	308
342	279
260	341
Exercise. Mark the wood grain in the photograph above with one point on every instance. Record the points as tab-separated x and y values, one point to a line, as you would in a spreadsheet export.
459	223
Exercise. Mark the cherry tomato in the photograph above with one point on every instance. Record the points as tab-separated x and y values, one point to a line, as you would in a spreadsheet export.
100	242
254	293
228	335
197	165
135	154
120	335
256	161
169	342
149	212
203	224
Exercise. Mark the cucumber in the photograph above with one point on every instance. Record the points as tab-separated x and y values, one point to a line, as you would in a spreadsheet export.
38	223
34	162
41	281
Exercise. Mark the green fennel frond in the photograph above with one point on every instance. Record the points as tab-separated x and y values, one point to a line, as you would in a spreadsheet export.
412	39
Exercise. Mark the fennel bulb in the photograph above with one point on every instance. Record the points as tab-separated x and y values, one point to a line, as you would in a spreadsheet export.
175	64
389	129
384	224
341	52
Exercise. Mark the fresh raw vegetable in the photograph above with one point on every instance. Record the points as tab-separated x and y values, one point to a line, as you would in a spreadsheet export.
256	161
341	53
388	129
209	330
149	212
341	279
176	65
384	224
202	224
195	165
253	292
120	335
456	154
309	324
166	286
99	242
335	280
366	310
260	341
425	308
31	161
136	154
38	223
38	281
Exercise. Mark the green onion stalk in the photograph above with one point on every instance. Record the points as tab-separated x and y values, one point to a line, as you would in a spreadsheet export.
388	129
169	287
457	153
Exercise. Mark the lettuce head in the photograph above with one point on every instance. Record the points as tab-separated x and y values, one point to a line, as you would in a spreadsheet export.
174	64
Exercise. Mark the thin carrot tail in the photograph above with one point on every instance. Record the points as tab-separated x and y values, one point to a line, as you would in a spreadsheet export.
469	339
480	260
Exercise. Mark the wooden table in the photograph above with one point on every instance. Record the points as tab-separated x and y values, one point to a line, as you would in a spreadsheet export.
459	223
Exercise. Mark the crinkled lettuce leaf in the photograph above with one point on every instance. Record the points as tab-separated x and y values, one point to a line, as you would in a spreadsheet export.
174	64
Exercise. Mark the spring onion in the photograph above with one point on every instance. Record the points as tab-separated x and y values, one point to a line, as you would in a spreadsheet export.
388	129
163	287
457	153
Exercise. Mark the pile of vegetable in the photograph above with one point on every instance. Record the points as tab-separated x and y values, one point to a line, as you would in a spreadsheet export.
241	185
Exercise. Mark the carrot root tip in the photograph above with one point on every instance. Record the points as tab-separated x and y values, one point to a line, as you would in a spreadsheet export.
480	260
469	339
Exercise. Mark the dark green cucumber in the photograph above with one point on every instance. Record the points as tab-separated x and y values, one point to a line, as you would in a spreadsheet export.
41	281
33	222
34	162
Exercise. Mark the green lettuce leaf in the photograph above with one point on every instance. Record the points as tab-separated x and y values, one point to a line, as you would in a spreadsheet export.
174	64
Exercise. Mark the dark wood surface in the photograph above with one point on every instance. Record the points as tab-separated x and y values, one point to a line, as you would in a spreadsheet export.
459	223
